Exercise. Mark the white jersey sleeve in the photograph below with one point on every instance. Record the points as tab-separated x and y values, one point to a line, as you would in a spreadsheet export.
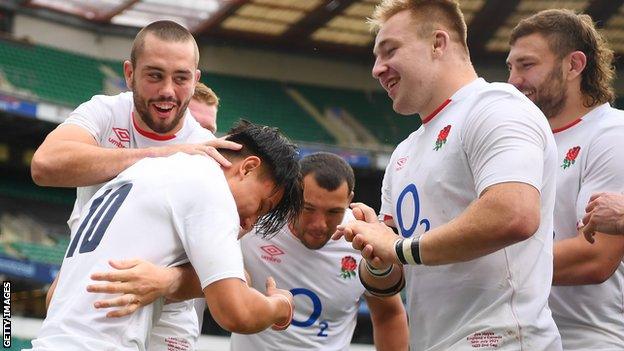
503	146
605	167
208	229
95	116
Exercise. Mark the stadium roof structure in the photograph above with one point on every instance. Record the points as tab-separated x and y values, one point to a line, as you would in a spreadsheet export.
323	26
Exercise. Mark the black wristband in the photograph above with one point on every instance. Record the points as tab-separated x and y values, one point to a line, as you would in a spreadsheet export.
398	249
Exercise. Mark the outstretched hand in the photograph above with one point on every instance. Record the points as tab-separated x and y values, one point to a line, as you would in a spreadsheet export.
139	282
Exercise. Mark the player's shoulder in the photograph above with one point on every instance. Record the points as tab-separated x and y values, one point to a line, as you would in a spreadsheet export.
609	117
122	99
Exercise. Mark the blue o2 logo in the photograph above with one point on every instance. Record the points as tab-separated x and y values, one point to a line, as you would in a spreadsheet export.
410	191
316	311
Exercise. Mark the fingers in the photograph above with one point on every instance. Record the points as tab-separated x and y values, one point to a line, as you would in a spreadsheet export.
367	252
358	242
595	196
124	264
365	212
114	276
115	288
589	236
119	301
270	284
222	143
212	152
338	233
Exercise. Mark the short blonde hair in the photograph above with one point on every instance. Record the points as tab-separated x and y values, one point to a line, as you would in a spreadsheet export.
205	95
428	13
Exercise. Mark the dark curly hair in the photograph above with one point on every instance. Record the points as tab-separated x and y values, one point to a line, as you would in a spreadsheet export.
566	32
280	158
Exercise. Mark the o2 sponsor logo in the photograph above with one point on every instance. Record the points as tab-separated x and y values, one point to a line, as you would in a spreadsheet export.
316	312
410	192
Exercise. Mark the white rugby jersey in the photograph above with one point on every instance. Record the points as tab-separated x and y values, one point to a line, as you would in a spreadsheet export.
325	285
110	120
192	217
590	160
485	134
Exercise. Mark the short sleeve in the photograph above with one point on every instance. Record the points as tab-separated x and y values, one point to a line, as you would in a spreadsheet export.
604	170
207	223
93	115
385	212
504	142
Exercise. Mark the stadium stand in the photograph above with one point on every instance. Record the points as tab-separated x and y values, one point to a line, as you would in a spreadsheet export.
48	74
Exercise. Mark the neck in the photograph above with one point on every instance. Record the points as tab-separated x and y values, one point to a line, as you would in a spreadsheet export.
449	82
572	110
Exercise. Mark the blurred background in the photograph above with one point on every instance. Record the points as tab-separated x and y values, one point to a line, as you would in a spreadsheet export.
301	65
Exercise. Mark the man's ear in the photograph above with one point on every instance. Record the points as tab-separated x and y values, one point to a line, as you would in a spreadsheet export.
128	72
351	197
249	165
578	62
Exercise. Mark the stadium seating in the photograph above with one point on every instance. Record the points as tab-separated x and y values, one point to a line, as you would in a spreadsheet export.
69	79
52	75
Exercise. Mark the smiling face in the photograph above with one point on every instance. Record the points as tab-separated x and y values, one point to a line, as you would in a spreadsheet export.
162	83
403	64
538	73
323	210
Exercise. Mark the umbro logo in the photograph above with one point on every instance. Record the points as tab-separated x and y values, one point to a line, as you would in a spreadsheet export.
123	136
400	163
271	252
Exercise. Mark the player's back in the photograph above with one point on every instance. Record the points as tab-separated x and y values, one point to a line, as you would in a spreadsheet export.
132	216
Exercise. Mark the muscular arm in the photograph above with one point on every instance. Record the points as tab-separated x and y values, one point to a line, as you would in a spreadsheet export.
241	309
70	157
577	262
389	320
505	214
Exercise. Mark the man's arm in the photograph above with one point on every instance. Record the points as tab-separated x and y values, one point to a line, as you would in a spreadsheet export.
578	262
503	215
240	309
389	320
50	292
70	157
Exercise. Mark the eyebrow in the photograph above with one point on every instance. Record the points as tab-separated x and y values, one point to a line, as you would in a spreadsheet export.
381	45
156	68
521	59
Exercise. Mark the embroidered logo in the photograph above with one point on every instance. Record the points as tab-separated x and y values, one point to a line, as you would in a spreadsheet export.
442	138
348	266
400	163
271	252
571	157
123	135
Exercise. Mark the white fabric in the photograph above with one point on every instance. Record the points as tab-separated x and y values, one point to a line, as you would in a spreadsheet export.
589	317
496	135
327	326
109	120
192	217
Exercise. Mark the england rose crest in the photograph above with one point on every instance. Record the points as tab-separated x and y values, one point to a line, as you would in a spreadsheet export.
347	271
442	138
571	157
